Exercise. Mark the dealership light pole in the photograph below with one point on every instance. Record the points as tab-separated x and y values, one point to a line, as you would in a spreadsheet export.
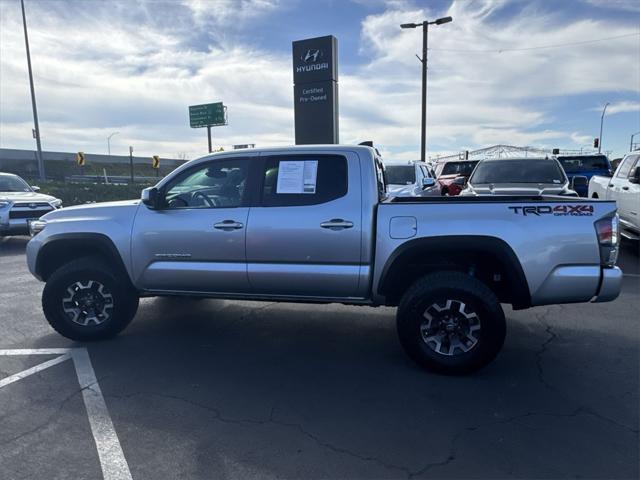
423	60
33	98
601	122
109	142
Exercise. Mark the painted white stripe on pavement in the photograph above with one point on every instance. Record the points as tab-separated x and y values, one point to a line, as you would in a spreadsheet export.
114	465
30	371
36	351
637	275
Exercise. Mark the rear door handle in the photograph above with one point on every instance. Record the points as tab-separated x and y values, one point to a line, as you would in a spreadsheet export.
611	184
337	224
625	188
228	225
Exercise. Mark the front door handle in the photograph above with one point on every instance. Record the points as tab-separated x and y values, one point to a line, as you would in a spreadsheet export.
228	225
625	188
337	224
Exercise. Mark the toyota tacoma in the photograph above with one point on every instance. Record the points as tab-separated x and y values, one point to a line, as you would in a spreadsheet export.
315	224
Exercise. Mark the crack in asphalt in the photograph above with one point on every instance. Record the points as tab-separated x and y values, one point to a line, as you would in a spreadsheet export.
543	349
451	456
48	420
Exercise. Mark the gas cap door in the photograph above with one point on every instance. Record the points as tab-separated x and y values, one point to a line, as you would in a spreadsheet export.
403	227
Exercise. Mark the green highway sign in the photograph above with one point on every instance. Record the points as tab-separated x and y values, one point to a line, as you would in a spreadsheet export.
207	115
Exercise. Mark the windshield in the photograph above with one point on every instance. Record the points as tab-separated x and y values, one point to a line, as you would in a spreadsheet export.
13	184
518	171
459	168
580	164
401	174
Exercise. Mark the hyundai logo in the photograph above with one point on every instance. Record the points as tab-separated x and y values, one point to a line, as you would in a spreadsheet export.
312	55
33	205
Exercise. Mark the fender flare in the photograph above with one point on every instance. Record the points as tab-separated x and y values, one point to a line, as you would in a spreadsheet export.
450	244
97	241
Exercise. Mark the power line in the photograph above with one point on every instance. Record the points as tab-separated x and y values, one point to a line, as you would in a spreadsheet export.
539	47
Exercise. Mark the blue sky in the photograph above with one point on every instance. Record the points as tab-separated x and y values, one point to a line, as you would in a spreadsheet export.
134	67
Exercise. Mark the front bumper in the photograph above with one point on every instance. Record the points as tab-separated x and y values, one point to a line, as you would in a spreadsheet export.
610	285
15	226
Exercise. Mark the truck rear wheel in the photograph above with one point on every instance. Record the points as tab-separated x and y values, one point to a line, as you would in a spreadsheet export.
86	300
451	323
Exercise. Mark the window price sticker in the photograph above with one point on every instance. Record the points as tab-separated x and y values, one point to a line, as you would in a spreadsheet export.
297	176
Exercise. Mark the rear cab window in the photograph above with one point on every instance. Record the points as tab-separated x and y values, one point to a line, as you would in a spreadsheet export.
584	163
296	180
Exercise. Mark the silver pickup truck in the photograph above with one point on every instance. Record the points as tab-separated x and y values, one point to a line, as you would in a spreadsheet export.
314	224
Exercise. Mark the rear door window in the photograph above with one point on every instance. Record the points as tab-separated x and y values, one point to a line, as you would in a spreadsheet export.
297	180
623	171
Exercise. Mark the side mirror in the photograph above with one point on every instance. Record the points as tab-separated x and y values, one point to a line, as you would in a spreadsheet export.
428	182
35	189
579	181
634	175
461	181
150	197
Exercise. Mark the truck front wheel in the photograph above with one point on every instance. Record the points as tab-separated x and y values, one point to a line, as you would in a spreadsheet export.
86	300
451	323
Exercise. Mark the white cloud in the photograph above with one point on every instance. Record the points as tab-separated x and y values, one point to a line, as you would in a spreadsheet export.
122	71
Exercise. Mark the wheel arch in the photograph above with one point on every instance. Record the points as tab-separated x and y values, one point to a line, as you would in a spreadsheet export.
59	249
484	256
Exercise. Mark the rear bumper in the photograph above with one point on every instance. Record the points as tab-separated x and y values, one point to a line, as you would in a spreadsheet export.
610	285
579	283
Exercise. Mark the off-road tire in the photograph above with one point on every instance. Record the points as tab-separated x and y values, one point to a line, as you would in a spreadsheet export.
437	288
124	299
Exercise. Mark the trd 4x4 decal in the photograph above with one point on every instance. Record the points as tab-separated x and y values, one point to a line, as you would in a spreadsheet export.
558	210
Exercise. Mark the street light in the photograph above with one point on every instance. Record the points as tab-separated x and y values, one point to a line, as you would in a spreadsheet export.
109	142
41	172
601	121
423	60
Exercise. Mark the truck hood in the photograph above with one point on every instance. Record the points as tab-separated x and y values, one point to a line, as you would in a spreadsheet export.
94	210
31	197
518	189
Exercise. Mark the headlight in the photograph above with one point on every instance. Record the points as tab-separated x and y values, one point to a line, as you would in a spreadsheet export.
4	203
57	203
36	226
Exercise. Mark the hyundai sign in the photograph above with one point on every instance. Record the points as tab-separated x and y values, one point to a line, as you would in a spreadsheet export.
315	78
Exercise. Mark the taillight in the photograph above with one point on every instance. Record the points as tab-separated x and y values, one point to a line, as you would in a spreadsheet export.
608	233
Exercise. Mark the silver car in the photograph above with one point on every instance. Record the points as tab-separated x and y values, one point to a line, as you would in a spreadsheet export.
20	203
518	176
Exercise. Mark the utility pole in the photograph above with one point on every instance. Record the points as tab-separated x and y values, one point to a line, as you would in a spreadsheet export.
209	137
425	39
41	172
423	131
131	162
601	122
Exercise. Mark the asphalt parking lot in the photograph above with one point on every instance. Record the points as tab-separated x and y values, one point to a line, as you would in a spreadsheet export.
240	390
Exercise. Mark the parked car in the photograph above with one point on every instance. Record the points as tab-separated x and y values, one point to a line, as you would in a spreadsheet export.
580	169
519	176
624	188
447	172
315	224
20	203
410	180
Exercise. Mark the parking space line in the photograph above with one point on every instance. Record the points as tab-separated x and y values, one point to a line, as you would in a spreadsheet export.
112	461
30	371
114	465
36	351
